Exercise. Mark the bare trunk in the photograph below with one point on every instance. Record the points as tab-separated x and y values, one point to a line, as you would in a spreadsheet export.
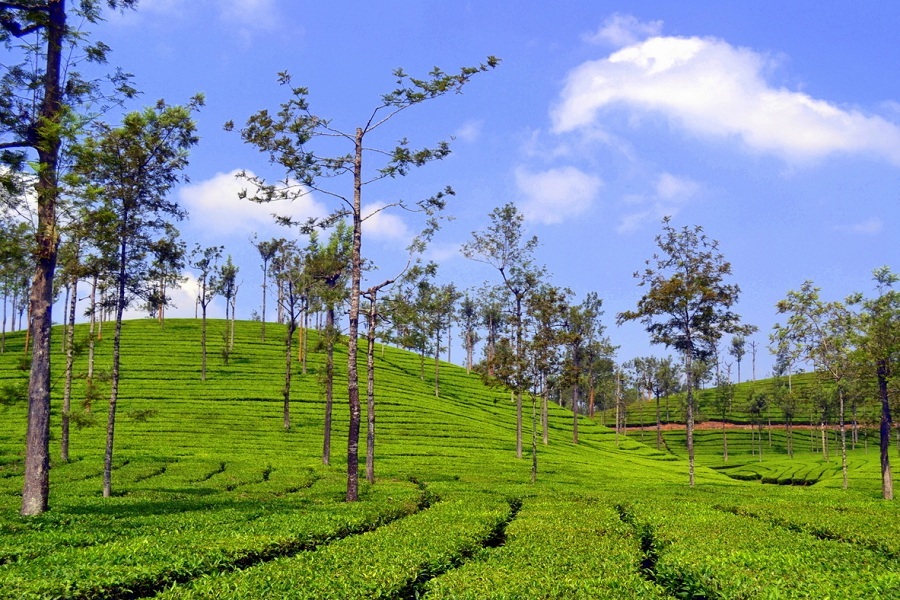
353	329
658	426
575	414
545	412
91	340
114	393
843	437
70	360
887	484
370	394
689	425
288	365
262	321
203	343
519	351
36	484
329	385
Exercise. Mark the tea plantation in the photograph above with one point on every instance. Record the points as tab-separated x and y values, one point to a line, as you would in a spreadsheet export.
213	498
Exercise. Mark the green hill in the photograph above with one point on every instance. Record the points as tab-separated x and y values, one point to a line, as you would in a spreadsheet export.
215	499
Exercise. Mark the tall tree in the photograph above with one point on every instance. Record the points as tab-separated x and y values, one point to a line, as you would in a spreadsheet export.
547	310
289	139
38	97
206	263
228	288
267	250
819	333
467	316
581	327
504	246
738	349
290	269
687	305
130	169
877	337
723	400
328	266
168	254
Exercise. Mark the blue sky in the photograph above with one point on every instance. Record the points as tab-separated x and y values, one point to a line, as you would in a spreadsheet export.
775	126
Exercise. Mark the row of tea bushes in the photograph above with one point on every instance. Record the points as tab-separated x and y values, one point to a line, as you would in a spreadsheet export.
699	551
136	546
392	561
557	547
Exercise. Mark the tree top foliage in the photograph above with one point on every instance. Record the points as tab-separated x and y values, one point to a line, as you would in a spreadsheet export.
688	302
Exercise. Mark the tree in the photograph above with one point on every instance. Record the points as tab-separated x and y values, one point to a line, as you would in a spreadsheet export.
785	398
267	251
547	309
819	333
130	169
876	335
288	139
328	267
205	261
581	327
39	99
504	246
688	304
723	400
738	349
290	269
168	254
467	317
228	288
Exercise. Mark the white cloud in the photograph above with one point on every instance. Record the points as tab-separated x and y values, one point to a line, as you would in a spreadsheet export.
624	30
554	195
380	223
470	131
215	205
671	187
868	227
671	193
713	89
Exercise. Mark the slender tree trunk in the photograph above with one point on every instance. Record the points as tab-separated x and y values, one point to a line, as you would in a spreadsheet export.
545	411
519	350
91	339
843	437
534	457
437	368
67	390
658	426
370	393
824	442
203	341
353	329
3	332
114	393
288	365
887	484
329	384
689	425
262	321
305	338
36	484
724	441
575	414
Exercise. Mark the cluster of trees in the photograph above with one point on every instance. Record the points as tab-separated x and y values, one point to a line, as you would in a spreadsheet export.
101	190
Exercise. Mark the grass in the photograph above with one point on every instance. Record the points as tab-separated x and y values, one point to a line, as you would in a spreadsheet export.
214	498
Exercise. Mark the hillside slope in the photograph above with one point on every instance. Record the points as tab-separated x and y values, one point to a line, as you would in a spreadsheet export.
214	498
